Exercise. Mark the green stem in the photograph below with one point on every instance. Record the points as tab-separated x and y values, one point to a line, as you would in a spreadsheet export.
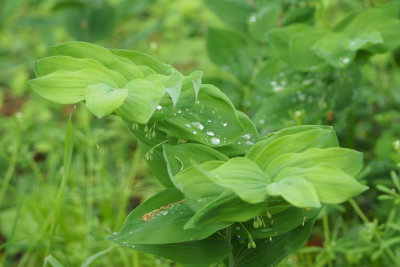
364	218
11	167
325	224
228	239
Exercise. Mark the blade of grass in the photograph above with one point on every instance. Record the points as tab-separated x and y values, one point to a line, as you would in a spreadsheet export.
66	168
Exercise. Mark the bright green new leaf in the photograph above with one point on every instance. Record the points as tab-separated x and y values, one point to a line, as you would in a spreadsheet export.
142	100
160	220
297	191
140	58
211	120
58	63
180	157
102	100
348	160
242	176
292	143
103	55
68	87
331	184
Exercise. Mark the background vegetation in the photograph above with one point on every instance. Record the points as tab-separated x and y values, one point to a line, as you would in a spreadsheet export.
109	177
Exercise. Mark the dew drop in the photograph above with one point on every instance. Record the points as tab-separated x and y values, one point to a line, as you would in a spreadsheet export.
224	124
198	125
209	133
215	141
159	107
194	132
247	136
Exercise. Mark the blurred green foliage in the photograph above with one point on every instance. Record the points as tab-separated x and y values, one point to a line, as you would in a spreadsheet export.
108	177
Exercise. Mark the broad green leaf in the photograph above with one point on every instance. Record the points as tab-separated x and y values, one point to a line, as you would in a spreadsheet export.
299	14
233	13
195	79
278	224
270	253
227	208
334	49
180	157
242	176
102	100
245	141
279	39
292	143
302	56
265	19
348	160
140	58
212	120
271	137
297	191
231	52
203	252
365	40
196	186
160	220
172	84
331	184
142	100
48	65
103	55
67	87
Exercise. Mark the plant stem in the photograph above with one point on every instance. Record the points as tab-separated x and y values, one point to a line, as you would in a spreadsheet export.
325	224
228	239
364	218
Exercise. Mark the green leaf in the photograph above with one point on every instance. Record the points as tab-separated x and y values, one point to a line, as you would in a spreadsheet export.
160	220
278	224
235	16
228	208
211	120
269	149
365	40
302	56
334	49
349	161
196	186
265	19
203	252
242	176
297	191
180	157
279	39
331	184
48	65
67	87
142	100
102	55
243	144
271	253
102	100
231	52
140	58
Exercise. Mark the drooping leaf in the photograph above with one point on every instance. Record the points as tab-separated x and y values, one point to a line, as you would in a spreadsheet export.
297	191
331	184
142	100
102	100
68	87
